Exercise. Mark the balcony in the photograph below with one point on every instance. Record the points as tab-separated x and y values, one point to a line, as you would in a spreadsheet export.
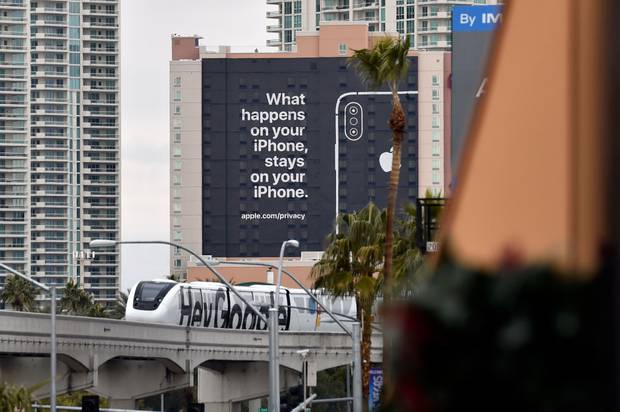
13	34
12	19
99	38
49	10
99	12
18	4
48	23
100	50
99	24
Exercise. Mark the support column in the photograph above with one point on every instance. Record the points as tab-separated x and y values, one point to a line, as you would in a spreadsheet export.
254	405
122	404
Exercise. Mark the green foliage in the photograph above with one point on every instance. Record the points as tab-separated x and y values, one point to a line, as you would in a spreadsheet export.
13	398
76	301
516	339
117	311
75	399
352	260
386	62
408	260
19	293
331	383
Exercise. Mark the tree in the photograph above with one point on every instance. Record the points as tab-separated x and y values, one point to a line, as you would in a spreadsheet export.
19	293
118	309
408	260
351	266
76	301
386	63
15	399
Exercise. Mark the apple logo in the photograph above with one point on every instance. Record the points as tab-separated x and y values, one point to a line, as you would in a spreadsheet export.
385	161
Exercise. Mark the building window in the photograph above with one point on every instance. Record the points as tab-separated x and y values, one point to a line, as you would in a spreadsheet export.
436	164
177	207
410	12
342	48
436	178
288	36
177	151
177	137
435	80
176	179
177	164
178	235
435	94
297	21
177	81
436	149
436	122
176	193
288	22
297	8
177	95
177	263
177	110
176	221
435	108
436	135
288	9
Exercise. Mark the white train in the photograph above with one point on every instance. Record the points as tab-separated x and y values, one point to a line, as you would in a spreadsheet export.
213	305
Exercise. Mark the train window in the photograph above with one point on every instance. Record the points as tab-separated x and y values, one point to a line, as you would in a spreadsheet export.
149	294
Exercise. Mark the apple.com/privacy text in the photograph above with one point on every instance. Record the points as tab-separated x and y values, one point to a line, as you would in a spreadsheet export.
273	216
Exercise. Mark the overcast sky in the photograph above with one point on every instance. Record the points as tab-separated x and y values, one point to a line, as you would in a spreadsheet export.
146	26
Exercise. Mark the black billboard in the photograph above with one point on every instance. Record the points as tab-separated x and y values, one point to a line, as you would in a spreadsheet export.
269	151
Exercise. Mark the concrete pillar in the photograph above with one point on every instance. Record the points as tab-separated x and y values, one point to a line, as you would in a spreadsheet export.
217	406
122	404
254	405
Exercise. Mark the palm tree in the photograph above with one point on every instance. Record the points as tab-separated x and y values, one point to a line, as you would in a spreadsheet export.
386	63
118	309
351	266
408	260
13	398
76	301
19	293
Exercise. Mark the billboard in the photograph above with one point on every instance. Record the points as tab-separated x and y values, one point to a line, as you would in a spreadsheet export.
270	128
472	34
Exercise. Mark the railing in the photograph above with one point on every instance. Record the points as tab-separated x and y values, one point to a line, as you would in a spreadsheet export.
37	407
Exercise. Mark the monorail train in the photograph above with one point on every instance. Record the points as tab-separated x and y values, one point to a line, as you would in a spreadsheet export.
214	305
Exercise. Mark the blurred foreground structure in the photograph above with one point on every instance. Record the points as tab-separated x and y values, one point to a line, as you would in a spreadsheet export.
521	313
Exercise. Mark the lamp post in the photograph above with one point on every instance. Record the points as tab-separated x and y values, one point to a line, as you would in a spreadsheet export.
100	243
274	351
354	333
52	290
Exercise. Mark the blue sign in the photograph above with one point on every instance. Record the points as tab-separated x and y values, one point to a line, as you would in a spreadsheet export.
476	18
375	382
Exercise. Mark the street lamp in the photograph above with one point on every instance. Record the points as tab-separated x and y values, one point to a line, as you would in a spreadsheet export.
100	243
274	355
354	333
52	290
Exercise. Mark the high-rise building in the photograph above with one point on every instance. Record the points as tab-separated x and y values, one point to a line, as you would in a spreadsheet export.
60	140
427	23
214	162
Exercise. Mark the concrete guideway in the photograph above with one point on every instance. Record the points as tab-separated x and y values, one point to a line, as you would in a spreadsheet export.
129	360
